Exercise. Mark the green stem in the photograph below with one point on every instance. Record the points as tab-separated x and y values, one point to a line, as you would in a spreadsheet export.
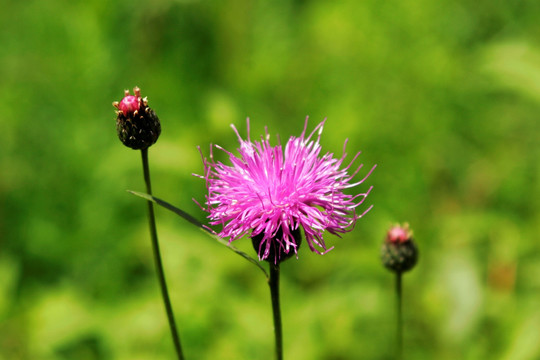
157	258
273	281
399	316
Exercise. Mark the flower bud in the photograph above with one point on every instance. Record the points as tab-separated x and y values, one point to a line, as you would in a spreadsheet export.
399	252
277	251
137	125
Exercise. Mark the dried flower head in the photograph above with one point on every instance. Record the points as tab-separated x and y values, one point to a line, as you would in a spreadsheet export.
137	125
399	252
271	193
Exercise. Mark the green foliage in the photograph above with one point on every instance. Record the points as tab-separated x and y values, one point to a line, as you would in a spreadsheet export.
443	95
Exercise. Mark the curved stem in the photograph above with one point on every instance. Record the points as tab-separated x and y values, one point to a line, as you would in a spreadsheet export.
157	258
399	332
273	281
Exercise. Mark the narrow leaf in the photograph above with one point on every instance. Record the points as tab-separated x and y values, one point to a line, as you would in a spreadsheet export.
200	225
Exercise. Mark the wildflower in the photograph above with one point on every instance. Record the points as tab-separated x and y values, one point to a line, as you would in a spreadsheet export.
137	125
273	192
399	252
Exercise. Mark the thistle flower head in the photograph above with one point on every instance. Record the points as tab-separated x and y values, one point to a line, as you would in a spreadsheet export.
137	125
273	191
399	252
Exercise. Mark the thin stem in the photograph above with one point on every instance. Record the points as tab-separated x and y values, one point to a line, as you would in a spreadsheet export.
273	281
157	258
399	316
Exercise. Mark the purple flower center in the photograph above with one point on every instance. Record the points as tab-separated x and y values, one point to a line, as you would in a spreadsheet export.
398	234
129	104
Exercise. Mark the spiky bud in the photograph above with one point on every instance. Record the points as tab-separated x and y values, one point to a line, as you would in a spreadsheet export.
137	125
399	252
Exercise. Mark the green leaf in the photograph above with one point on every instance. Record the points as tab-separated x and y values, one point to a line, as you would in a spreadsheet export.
200	225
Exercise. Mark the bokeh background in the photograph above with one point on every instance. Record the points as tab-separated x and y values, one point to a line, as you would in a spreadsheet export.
444	96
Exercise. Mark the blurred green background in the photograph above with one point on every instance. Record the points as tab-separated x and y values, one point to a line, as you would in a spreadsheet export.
443	95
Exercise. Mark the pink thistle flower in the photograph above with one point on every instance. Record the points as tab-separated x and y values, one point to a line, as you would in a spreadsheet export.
137	125
399	252
273	192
